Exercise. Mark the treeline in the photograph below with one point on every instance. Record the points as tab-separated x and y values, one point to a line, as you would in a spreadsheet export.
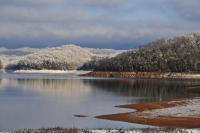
180	54
45	64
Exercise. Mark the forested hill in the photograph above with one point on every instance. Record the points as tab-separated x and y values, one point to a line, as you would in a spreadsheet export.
179	54
55	58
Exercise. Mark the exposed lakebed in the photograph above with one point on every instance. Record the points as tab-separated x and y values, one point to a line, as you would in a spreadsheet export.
49	100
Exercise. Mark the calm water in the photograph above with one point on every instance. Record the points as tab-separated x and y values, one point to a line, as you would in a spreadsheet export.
49	100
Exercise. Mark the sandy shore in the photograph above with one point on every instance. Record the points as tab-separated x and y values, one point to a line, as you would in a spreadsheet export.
143	75
184	113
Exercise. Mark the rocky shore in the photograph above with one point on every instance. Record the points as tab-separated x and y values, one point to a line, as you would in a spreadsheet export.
142	75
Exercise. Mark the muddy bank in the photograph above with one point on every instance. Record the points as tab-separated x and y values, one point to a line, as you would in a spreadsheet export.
154	105
184	113
142	75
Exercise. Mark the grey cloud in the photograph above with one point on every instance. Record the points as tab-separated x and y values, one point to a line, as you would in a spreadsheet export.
45	3
96	21
29	3
70	13
187	9
17	21
117	31
104	3
41	15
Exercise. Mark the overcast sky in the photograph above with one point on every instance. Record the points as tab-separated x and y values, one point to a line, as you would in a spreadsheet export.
119	24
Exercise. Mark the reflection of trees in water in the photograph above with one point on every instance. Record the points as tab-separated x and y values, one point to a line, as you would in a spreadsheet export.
154	88
60	87
149	90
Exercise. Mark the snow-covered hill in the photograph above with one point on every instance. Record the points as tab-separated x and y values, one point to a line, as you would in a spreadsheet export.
71	54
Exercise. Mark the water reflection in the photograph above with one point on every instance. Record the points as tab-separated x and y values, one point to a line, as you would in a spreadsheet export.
56	87
35	103
150	89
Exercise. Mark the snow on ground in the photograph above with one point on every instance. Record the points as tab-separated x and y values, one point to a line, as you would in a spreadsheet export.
44	71
147	130
192	76
191	109
52	71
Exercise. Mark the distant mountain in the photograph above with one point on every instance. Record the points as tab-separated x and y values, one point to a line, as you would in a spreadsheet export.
12	56
179	54
63	57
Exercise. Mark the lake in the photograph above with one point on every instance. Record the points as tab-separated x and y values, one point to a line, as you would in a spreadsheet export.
49	100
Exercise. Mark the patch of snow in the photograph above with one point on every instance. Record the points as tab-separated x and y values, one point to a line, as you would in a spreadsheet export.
191	109
45	71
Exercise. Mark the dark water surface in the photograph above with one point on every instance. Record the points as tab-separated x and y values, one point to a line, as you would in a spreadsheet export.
49	100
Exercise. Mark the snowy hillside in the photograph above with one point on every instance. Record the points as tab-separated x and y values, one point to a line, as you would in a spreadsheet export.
176	54
72	56
12	56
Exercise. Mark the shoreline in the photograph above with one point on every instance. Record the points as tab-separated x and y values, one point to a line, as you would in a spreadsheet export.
183	113
45	71
101	74
160	75
109	130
